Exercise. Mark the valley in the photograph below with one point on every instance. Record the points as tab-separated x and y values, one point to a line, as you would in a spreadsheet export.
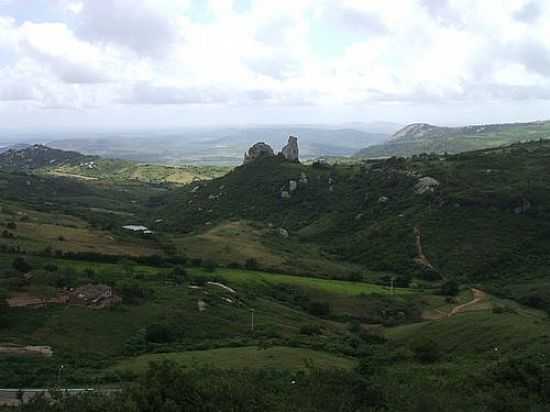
306	272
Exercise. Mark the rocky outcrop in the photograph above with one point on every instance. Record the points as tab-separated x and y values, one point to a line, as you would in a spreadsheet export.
258	151
426	184
290	151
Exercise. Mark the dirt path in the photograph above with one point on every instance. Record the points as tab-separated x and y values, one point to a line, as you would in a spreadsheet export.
479	297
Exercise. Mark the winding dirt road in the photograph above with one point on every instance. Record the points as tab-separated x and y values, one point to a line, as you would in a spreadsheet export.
479	297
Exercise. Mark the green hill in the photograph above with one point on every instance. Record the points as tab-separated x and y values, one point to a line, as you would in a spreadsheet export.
44	160
424	138
486	217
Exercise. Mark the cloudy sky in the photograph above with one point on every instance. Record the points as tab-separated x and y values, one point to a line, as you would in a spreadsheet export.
167	63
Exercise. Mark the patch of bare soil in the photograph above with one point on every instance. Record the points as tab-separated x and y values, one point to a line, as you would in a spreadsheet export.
21	300
11	349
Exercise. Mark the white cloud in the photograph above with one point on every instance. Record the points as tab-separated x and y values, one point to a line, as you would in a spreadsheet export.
156	52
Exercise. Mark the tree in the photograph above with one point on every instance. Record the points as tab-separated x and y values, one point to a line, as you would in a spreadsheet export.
450	288
21	265
319	308
158	333
427	351
251	264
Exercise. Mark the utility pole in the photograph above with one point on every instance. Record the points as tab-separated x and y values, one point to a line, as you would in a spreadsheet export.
252	320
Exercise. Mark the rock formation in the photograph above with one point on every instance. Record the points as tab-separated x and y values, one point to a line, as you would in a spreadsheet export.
257	151
290	151
426	184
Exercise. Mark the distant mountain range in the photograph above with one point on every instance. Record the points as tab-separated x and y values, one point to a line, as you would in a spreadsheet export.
224	146
425	138
44	160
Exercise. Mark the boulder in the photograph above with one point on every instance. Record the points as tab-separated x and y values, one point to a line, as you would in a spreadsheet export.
426	185
290	151
257	151
285	194
292	185
283	232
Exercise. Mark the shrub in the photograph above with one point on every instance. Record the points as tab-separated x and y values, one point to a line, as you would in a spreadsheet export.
319	308
21	265
310	330
158	333
133	293
50	267
209	265
11	225
355	277
251	264
426	351
450	288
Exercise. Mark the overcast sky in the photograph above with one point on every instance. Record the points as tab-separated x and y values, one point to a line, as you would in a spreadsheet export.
166	63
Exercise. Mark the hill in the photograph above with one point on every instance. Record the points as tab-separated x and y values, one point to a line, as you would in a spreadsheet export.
222	146
425	138
395	215
45	160
38	156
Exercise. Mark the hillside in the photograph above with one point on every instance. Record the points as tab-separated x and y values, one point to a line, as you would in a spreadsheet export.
222	146
45	160
425	138
367	282
373	214
38	156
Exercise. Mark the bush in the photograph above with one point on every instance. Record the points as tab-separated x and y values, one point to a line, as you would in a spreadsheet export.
158	333
450	288
319	308
11	226
21	265
426	351
251	264
50	267
134	294
355	277
209	265
310	330
500	309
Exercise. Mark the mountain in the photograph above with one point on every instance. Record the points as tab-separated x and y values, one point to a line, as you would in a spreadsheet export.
44	160
35	157
425	138
220	146
372	214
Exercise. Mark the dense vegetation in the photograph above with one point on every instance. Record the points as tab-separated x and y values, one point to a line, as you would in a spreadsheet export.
356	287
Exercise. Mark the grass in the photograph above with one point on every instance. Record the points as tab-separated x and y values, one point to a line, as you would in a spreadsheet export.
245	357
235	242
339	287
475	333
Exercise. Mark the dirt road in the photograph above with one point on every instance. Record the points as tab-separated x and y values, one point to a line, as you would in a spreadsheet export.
479	297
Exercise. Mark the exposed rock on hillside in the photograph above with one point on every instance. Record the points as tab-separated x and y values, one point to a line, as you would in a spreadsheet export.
426	184
257	151
39	156
290	151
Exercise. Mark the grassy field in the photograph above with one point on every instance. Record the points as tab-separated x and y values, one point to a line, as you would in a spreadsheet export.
235	242
476	333
36	230
246	357
339	287
122	171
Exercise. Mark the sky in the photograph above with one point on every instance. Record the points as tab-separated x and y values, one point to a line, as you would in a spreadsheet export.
96	64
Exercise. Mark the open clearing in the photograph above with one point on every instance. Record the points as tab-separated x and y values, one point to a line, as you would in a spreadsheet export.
326	285
244	357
